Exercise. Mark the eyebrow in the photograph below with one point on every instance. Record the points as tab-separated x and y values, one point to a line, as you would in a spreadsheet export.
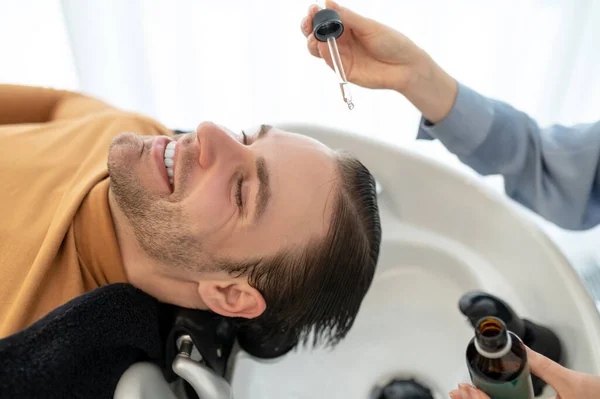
264	189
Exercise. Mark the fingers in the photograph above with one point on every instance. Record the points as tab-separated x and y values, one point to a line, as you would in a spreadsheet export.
558	377
306	27
466	391
455	394
359	24
553	373
306	23
313	46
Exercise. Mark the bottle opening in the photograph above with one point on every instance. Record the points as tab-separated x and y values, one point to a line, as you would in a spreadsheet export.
491	334
490	328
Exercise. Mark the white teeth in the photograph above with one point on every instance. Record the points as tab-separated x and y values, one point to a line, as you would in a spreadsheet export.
169	154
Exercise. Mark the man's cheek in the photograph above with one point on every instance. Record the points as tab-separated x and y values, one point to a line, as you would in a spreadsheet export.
214	194
209	214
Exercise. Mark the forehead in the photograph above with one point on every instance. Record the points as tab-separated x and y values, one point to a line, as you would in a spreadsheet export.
297	149
304	183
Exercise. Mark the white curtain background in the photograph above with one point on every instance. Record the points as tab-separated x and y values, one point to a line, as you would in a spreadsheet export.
244	62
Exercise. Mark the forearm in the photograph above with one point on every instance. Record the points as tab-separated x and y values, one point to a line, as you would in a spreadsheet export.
30	104
551	171
431	89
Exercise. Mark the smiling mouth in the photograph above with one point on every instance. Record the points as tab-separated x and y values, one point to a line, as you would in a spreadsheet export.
169	161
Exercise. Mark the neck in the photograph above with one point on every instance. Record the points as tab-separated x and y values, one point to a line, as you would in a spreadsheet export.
148	274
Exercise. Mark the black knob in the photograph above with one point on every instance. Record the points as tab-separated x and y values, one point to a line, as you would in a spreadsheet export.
476	305
405	389
326	24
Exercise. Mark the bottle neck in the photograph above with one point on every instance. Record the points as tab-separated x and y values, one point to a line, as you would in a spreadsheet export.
496	354
492	339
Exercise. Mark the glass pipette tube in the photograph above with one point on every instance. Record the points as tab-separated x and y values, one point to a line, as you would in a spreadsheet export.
339	71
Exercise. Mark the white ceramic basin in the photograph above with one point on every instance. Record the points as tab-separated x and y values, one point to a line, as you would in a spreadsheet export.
444	233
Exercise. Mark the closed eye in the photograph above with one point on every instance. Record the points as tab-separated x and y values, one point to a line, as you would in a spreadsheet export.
262	171
240	181
238	193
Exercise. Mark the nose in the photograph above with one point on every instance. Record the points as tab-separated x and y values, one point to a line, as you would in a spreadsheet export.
219	146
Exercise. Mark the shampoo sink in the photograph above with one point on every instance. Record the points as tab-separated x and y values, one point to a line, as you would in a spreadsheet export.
444	234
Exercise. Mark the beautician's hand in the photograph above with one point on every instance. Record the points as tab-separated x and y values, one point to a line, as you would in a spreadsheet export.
568	384
376	56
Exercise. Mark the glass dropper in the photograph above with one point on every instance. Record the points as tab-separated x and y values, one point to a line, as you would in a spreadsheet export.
327	27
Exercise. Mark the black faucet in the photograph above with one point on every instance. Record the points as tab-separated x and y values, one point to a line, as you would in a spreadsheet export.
400	388
477	304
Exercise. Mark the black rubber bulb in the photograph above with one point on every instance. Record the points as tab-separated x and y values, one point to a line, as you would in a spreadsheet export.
326	24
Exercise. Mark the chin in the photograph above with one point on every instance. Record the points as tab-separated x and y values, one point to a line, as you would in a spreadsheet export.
124	140
123	150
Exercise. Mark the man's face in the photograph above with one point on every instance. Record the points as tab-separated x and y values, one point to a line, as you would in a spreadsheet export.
229	199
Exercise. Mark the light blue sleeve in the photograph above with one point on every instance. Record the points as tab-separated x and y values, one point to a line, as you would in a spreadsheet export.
552	171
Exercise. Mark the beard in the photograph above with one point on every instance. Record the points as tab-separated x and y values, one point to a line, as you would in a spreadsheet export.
158	223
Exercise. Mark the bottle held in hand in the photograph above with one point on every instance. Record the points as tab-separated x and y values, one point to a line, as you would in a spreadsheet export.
497	361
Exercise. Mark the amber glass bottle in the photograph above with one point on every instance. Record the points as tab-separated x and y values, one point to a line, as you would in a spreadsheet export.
497	361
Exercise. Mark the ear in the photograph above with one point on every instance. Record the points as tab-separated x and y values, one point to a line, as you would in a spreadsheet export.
232	298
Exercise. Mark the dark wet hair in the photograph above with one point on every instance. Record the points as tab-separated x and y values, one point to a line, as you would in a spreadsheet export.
317	290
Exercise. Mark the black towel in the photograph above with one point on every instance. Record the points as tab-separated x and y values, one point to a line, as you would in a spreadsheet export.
81	349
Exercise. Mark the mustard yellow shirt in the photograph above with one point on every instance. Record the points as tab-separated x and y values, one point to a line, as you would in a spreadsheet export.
57	239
